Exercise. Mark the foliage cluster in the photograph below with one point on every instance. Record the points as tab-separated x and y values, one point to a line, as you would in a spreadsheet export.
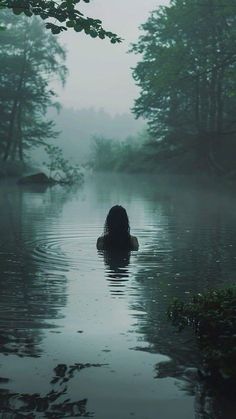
118	156
60	169
212	315
187	78
64	13
30	57
141	154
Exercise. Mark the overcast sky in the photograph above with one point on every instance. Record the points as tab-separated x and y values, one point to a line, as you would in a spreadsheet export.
100	72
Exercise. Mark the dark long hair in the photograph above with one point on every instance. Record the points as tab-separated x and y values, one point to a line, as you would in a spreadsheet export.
117	229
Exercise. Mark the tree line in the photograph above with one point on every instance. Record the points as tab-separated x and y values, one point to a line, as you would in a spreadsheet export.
186	76
187	79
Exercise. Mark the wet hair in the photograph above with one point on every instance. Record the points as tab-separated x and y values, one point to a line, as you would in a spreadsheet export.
117	229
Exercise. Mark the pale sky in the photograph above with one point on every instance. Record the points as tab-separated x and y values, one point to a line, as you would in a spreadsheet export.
100	73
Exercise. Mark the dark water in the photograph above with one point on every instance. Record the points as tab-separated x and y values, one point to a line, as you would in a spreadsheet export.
83	333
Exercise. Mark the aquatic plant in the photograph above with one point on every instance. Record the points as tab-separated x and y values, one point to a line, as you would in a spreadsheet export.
212	315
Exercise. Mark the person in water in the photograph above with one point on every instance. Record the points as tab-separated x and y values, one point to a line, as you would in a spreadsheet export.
117	232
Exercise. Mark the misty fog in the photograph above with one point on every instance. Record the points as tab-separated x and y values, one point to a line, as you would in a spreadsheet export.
117	209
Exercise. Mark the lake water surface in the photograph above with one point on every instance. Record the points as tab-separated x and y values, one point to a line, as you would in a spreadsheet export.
85	334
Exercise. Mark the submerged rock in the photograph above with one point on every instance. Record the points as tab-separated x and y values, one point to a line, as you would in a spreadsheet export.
37	179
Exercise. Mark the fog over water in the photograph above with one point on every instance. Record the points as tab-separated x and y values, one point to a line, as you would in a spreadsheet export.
85	332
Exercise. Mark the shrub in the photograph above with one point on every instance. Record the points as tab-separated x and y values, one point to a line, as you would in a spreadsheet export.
212	315
60	169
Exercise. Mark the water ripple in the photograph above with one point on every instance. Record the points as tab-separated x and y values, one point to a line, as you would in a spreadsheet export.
63	251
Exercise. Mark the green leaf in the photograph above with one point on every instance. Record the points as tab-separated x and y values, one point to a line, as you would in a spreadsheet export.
56	30
78	27
63	5
93	34
87	30
70	24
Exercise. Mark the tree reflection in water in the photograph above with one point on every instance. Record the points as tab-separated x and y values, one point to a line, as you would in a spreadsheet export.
33	293
191	249
30	294
54	404
211	402
185	245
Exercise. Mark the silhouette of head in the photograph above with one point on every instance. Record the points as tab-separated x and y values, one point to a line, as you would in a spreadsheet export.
116	229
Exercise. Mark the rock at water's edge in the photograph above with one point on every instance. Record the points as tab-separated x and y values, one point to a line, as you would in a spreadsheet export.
37	178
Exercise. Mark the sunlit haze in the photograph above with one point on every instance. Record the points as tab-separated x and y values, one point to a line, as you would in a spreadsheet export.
100	73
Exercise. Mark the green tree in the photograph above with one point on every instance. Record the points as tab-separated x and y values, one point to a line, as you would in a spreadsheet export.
104	153
118	156
64	13
187	72
30	57
60	169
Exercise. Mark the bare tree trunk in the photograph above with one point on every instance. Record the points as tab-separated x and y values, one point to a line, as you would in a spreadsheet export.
13	116
20	145
11	129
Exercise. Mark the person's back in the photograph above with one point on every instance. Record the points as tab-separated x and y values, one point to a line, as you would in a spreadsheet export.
117	232
103	244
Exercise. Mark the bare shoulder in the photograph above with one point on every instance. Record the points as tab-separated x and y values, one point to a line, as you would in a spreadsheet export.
134	243
100	243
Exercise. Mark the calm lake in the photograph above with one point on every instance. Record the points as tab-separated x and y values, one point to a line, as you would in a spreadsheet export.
85	334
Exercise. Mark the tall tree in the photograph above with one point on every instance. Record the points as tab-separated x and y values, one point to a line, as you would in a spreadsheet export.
187	71
64	13
30	57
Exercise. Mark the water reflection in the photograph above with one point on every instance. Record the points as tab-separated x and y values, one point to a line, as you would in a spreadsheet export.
30	297
56	403
116	269
192	248
210	403
117	263
51	276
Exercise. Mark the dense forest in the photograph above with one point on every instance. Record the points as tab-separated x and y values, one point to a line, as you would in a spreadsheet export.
30	56
186	76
